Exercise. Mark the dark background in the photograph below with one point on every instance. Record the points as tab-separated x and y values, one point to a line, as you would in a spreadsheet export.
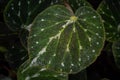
103	67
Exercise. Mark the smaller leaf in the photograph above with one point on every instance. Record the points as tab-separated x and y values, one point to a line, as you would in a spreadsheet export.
111	23
19	14
114	6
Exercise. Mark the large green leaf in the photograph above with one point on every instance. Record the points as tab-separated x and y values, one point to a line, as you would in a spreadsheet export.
65	42
20	13
39	73
110	19
116	52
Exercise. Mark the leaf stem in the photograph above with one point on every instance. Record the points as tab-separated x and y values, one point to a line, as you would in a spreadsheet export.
68	7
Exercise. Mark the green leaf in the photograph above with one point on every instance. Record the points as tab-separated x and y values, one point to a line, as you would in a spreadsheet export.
64	42
111	22
116	52
39	73
20	13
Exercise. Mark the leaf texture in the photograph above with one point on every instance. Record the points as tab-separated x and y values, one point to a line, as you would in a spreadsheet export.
64	42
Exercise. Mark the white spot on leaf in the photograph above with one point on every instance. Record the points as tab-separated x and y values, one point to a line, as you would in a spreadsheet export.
18	13
37	42
94	16
61	70
110	26
49	62
29	13
88	57
19	4
34	35
43	69
97	34
97	43
85	30
42	20
79	59
84	19
42	29
56	23
27	78
89	38
8	15
103	12
93	50
97	27
36	75
79	4
28	2
62	64
72	64
55	75
56	14
40	1
80	47
54	55
112	17
12	8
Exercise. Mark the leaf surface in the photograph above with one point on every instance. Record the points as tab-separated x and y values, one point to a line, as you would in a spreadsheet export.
65	42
